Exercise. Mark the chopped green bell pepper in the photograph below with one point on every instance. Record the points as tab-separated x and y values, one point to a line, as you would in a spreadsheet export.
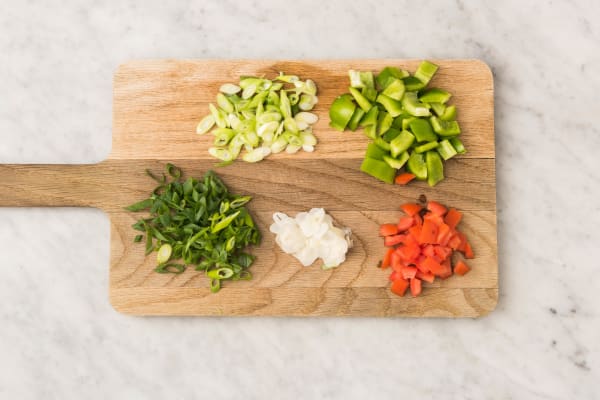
397	163
446	150
360	79
425	71
413	106
413	84
449	114
388	73
395	89
426	147
370	118
406	122
341	112
398	120
438	108
356	117
445	128
393	107
435	96
401	143
382	144
378	169
458	145
421	128
360	99
435	167
391	134
384	122
370	131
416	165
369	93
375	152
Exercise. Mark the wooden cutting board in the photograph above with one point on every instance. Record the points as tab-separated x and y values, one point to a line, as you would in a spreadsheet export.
157	105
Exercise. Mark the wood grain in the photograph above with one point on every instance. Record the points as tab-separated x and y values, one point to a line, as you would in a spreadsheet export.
156	107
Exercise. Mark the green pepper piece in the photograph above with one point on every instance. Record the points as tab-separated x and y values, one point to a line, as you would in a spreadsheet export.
375	152
421	128
361	80
370	118
370	131
401	143
426	71
360	99
435	168
378	169
406	122
445	128
438	108
435	96
449	114
356	117
446	150
382	144
413	106
391	134
370	93
416	164
398	120
384	122
413	84
397	163
393	107
458	145
388	73
395	89
426	147
341	111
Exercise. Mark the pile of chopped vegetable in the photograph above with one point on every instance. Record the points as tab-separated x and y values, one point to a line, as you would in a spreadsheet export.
412	127
197	222
311	235
262	116
421	246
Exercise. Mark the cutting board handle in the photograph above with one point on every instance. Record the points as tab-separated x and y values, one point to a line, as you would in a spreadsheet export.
53	185
107	185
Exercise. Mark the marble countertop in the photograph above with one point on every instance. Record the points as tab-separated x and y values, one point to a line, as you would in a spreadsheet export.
60	338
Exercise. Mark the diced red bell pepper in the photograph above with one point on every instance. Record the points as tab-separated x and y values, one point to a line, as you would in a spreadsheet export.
405	223
463	241
442	252
468	251
411	209
426	276
444	233
447	272
428	250
453	218
418	219
436	208
390	241
395	275
409	272
387	258
388	230
461	268
436	219
399	286
454	242
429	233
415	287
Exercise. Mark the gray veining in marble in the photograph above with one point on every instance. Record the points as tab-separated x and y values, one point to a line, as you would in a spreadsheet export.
59	337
